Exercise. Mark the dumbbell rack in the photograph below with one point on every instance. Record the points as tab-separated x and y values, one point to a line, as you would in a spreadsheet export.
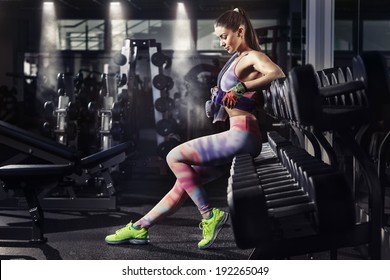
61	112
65	128
283	206
166	125
109	98
160	85
350	107
277	220
105	124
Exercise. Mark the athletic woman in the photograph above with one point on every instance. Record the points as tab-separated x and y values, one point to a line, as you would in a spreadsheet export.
200	160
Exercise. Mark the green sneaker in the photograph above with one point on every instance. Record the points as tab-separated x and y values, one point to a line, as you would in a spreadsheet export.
211	227
128	234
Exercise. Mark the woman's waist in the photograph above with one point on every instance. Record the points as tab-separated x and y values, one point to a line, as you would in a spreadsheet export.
243	121
240	113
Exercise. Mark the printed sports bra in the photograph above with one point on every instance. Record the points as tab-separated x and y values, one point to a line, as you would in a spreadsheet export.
228	79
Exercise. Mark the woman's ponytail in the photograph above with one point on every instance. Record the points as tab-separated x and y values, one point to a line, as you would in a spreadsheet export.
250	34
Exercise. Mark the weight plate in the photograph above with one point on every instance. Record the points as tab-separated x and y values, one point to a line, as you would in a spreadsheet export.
165	127
160	82
158	59
164	104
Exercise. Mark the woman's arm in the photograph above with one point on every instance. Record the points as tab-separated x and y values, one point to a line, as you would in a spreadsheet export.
262	64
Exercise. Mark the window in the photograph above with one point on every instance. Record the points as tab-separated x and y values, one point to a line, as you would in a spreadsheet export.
172	34
343	35
376	35
83	35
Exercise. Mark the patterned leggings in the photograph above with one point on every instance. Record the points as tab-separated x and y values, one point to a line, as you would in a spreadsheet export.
202	160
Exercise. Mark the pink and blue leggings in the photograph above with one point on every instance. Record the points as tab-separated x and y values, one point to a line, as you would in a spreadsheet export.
202	160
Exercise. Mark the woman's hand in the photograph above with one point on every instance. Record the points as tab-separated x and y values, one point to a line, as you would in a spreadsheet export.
233	95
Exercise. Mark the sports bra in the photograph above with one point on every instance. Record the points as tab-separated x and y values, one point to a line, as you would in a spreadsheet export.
228	79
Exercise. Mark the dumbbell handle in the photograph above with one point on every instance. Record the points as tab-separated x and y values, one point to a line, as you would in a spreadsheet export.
292	210
243	183
288	201
338	89
264	171
250	170
281	188
275	174
276	178
279	183
289	193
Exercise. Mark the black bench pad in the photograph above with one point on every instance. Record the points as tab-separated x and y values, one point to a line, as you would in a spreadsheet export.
23	170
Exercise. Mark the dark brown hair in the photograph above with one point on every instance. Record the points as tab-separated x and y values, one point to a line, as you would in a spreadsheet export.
233	19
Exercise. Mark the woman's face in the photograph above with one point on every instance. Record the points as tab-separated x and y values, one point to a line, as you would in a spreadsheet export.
228	39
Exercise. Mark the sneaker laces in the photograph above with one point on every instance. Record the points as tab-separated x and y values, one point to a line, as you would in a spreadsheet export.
203	226
124	228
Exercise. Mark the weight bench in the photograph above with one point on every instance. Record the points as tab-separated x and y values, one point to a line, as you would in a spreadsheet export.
98	165
23	147
30	178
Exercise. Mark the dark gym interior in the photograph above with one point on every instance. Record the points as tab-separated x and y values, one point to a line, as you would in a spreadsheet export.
95	93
